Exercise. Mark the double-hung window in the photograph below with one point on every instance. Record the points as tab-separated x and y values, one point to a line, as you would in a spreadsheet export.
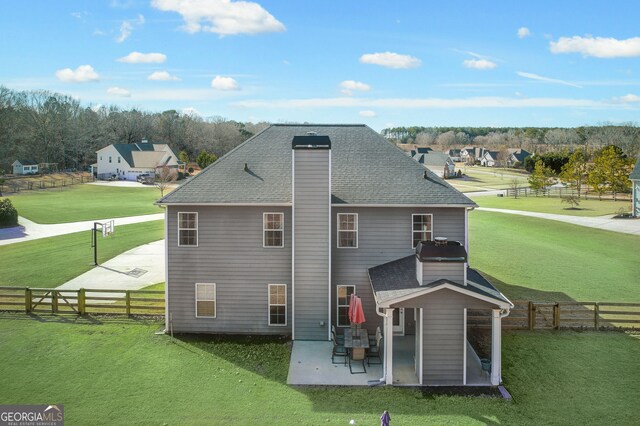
273	230
205	300
422	228
277	304
344	293
347	230
187	229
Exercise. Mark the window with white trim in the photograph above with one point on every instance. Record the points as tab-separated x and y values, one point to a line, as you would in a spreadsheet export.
422	229
205	300
187	229
343	294
347	230
273	229
109	158
277	304
118	159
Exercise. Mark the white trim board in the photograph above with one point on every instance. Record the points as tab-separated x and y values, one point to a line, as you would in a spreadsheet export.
499	303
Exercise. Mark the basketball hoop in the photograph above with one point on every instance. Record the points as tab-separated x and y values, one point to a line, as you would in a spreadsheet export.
108	229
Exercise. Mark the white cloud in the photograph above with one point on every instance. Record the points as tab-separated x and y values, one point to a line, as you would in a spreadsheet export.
143	58
118	91
367	113
80	15
523	32
546	79
349	86
126	28
599	47
162	76
390	60
223	17
479	64
627	99
424	103
82	74
224	83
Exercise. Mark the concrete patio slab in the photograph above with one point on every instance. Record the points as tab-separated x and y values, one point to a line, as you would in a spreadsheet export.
131	270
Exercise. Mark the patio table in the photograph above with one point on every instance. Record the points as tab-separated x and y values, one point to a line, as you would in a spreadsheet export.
357	343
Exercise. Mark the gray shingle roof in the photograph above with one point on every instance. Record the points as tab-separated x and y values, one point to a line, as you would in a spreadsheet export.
126	151
635	174
398	278
366	169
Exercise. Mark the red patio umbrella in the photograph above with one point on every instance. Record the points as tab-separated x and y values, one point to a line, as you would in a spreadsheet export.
358	312
352	304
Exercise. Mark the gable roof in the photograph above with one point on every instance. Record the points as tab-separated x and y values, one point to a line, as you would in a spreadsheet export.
519	154
434	159
635	173
365	169
146	155
397	280
26	162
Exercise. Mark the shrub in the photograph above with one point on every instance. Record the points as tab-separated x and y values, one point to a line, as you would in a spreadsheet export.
8	213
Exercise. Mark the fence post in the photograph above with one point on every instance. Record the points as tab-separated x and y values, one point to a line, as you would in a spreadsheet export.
27	300
596	316
532	316
556	316
54	301
81	302
128	302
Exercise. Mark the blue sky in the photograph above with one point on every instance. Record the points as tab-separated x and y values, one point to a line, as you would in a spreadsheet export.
401	63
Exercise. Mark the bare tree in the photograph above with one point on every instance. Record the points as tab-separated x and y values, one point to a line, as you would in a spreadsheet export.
165	176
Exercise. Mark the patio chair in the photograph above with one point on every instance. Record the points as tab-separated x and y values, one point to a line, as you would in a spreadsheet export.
339	337
374	338
338	351
374	351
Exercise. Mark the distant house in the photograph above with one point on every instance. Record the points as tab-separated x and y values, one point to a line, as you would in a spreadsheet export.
471	154
25	167
128	161
438	163
489	159
517	155
454	154
634	177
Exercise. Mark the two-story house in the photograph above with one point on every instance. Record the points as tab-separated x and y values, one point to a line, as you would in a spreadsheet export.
276	235
127	161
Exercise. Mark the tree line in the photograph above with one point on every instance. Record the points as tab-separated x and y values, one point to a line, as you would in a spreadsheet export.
51	127
536	140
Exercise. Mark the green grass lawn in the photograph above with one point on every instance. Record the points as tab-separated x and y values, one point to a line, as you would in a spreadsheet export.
50	262
486	178
85	202
117	371
554	205
538	259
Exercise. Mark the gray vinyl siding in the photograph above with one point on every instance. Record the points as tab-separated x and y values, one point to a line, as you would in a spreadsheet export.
384	235
636	201
434	271
311	206
443	334
229	254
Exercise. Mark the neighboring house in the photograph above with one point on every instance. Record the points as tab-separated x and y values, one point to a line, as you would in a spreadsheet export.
276	235
440	164
489	158
128	161
471	154
454	154
516	155
25	167
634	177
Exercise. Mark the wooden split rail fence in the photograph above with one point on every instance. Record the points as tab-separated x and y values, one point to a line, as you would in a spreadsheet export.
82	301
529	315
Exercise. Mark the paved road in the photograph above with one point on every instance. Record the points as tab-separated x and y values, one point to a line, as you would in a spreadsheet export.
28	230
625	226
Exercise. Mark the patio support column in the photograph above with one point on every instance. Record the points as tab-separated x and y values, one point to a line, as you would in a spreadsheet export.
388	345
496	358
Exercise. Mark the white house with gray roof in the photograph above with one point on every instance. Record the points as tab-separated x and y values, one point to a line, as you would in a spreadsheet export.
634	177
126	161
276	235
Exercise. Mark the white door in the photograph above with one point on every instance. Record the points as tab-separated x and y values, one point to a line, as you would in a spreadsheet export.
398	321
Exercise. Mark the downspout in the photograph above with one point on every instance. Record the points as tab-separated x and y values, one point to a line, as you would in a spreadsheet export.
383	379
